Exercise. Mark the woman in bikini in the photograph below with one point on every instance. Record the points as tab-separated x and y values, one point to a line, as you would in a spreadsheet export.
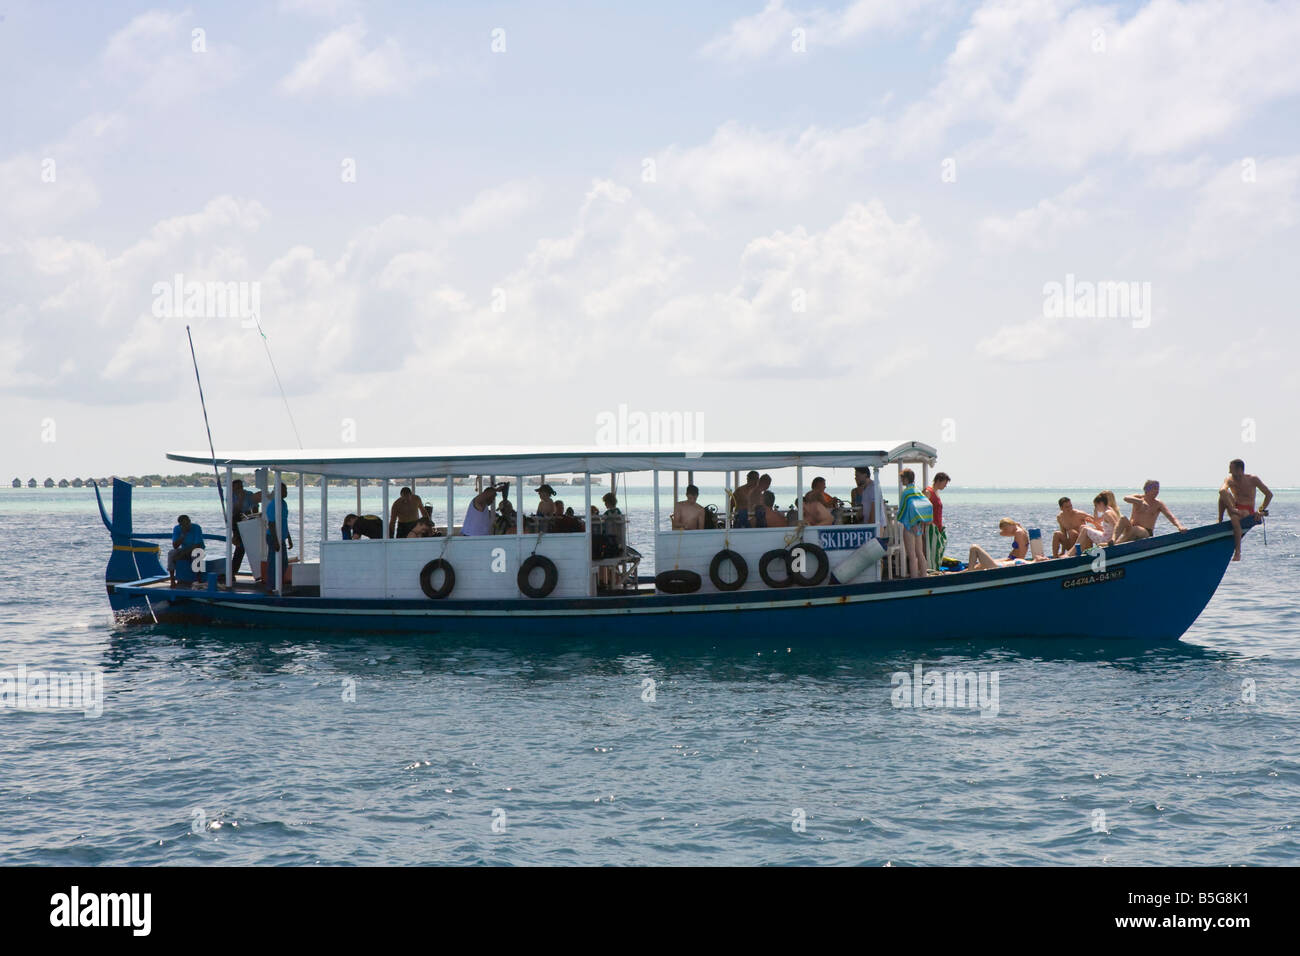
981	560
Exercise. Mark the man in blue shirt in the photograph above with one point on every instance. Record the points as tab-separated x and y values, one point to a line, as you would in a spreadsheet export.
277	531
186	537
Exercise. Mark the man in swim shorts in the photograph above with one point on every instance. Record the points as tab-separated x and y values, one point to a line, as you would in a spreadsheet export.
1147	508
1070	523
406	511
1237	499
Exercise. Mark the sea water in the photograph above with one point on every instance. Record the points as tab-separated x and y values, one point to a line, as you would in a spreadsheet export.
242	746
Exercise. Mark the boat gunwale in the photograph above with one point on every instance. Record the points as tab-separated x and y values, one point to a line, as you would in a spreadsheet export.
825	594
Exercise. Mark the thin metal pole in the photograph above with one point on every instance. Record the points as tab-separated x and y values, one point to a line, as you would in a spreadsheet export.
656	482
302	530
587	522
230	531
451	521
220	493
384	530
277	514
324	515
798	488
358	497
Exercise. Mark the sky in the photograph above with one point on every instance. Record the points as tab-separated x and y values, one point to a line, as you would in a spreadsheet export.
1054	240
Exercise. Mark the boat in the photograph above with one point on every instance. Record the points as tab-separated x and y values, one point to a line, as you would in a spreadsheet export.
543	581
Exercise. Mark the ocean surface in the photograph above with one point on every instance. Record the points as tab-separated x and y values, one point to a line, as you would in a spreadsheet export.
246	747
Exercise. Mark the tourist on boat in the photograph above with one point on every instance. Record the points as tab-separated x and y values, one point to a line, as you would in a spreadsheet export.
744	499
243	504
1070	523
768	515
546	507
1147	509
422	528
356	527
406	511
506	518
914	513
688	515
481	513
1237	499
1102	531
277	532
611	504
186	537
815	512
819	488
864	494
981	560
936	534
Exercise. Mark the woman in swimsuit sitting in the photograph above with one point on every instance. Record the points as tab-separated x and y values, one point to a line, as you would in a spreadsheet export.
981	560
1106	515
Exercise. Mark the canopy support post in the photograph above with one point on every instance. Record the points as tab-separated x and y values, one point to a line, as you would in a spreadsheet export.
587	523
451	519
276	514
798	488
324	515
302	530
230	529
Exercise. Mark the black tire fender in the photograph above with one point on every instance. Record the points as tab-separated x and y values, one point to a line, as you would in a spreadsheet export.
742	570
549	576
823	565
448	579
679	581
776	554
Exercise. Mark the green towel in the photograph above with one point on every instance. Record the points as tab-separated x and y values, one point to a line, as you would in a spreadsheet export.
936	541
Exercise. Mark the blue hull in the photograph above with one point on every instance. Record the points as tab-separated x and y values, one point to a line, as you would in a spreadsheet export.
1151	590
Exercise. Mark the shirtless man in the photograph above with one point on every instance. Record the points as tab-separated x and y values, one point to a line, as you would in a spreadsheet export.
773	517
747	496
1237	498
1147	508
546	507
406	511
814	511
687	515
1070	522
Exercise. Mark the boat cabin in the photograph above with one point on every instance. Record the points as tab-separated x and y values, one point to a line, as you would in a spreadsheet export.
531	558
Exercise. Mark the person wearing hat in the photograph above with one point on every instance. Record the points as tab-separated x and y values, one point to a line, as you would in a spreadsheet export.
545	507
481	513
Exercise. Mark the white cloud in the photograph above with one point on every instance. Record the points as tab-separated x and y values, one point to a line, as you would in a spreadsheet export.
1043	222
1031	341
341	63
1172	76
156	55
762	33
41	190
742	165
847	278
1241	207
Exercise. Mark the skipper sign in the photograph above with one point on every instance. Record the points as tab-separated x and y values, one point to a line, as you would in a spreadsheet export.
845	540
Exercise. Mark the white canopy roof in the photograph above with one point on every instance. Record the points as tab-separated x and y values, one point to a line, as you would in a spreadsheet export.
540	460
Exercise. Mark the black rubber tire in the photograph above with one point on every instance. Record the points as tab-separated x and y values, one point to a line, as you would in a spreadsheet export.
679	581
549	576
742	570
776	554
448	579
823	565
